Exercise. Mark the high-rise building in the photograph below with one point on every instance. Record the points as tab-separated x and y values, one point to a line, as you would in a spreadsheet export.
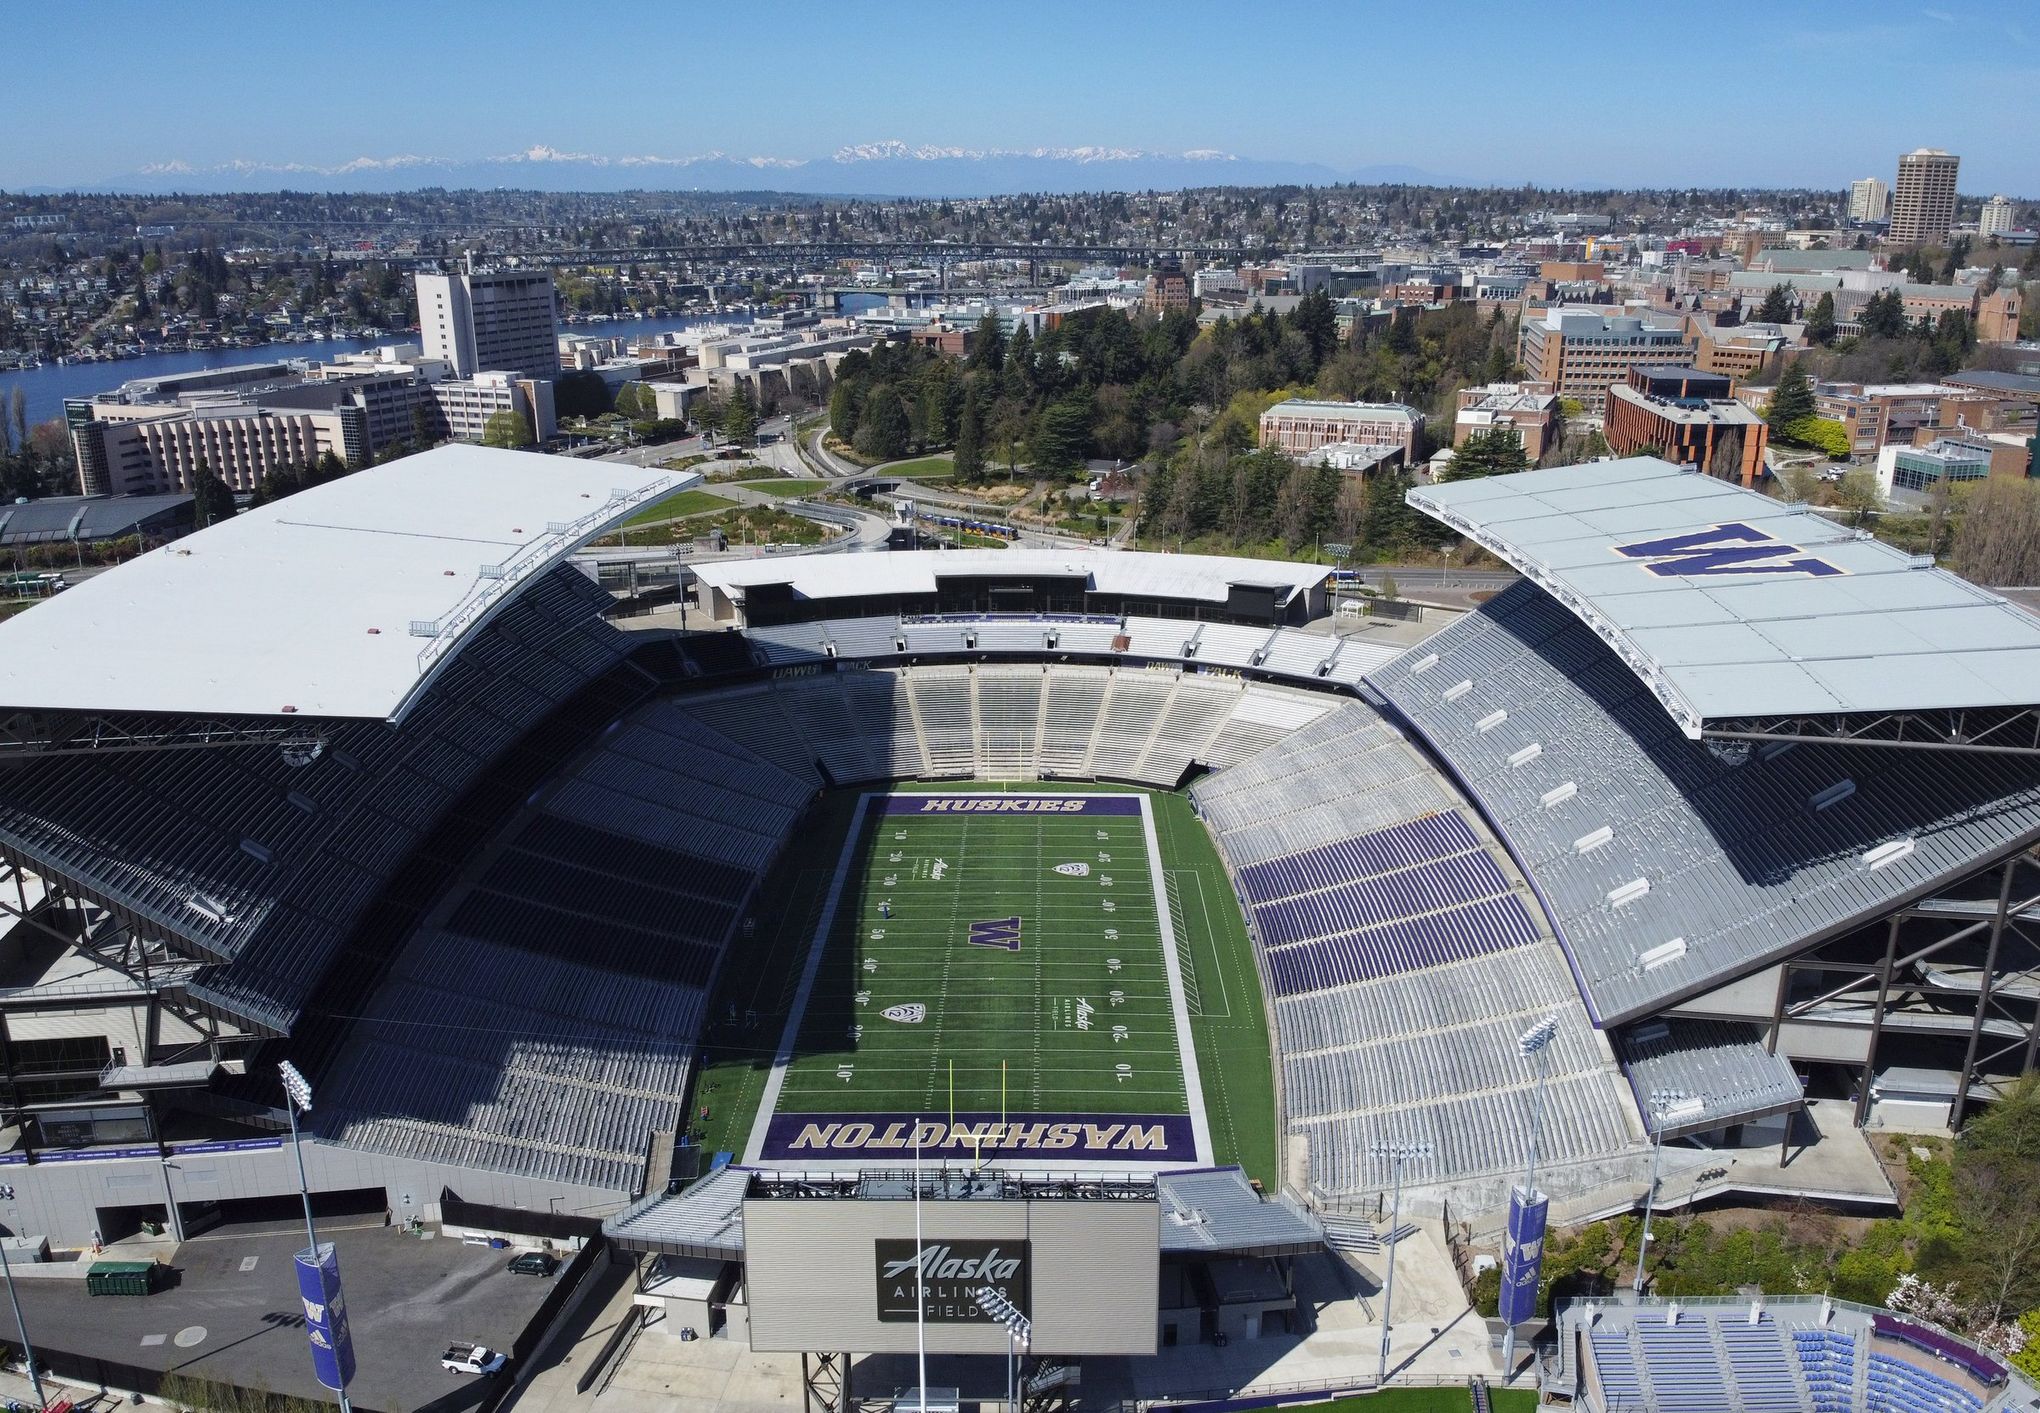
1923	201
490	321
1578	350
1996	218
1869	200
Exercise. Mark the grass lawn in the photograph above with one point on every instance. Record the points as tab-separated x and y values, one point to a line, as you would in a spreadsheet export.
690	502
783	486
925	468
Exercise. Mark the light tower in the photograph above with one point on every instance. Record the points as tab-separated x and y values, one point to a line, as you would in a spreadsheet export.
318	1268
1398	1151
1523	1260
1661	1103
1019	1333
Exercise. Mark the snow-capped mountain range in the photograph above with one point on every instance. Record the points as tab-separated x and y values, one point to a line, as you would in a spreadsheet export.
863	169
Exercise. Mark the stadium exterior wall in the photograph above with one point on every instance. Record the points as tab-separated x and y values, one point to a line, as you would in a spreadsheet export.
62	1199
1093	1273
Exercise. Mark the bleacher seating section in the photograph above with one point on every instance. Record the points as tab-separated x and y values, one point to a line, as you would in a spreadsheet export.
1801	1354
241	859
1668	866
1402	961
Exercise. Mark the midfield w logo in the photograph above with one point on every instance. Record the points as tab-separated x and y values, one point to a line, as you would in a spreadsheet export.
1732	548
999	932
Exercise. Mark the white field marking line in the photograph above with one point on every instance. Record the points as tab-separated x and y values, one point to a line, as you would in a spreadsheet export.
1186	1048
1217	960
1193	993
789	1035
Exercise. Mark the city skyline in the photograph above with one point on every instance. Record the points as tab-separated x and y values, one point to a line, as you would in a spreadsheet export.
858	92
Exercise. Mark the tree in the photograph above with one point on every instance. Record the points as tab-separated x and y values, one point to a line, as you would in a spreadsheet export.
211	501
1857	494
1493	453
634	400
1997	1198
1884	316
507	429
1061	434
1822	434
1777	305
1820	324
882	434
740	417
970	436
988	345
1793	399
17	403
844	409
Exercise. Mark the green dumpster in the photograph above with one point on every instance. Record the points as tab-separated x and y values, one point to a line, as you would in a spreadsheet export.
121	1278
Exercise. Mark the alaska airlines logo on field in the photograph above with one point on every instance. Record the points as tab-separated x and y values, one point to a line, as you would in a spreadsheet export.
1731	548
1001	932
911	1013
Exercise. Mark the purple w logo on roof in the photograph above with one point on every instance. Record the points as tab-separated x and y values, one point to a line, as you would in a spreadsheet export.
1732	548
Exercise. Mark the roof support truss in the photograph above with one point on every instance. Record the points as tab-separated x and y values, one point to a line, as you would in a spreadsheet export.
1998	730
33	734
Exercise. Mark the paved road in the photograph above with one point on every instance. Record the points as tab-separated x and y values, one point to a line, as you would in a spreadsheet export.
235	1314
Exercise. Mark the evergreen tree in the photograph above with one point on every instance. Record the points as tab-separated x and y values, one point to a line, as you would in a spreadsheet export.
1494	453
844	407
1777	305
988	345
211	501
1884	316
970	436
882	434
507	429
1061	435
740	417
1792	402
1820	324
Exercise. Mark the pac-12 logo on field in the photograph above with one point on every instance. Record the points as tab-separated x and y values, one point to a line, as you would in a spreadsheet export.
909	1013
1730	548
1003	933
1074	870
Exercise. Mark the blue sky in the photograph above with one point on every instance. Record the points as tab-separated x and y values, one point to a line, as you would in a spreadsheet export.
1786	92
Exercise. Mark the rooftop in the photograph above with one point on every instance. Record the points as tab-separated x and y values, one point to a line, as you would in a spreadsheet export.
1693	409
82	517
1317	407
1728	604
344	600
1125	572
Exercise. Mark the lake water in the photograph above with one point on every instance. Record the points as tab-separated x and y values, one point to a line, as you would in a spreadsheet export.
49	385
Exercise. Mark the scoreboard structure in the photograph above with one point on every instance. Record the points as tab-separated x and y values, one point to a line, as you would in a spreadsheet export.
832	1265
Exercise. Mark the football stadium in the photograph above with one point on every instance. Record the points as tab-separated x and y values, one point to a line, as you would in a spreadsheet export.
1121	933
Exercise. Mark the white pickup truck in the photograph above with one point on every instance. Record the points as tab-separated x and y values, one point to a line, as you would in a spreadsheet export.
473	1359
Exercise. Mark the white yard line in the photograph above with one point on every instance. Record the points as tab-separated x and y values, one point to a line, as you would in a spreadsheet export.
1186	1045
817	945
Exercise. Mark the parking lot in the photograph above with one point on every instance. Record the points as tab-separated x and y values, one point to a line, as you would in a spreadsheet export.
234	1315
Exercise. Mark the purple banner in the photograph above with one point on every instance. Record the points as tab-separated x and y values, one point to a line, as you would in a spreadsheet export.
1523	1256
888	1139
1012	804
318	1273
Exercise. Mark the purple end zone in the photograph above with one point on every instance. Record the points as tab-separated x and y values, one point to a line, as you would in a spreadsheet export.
1012	804
888	1139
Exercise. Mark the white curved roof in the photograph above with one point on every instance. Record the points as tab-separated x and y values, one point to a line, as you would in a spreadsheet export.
341	601
1135	573
1730	604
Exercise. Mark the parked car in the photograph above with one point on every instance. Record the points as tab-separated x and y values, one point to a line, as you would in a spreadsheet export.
473	1359
534	1263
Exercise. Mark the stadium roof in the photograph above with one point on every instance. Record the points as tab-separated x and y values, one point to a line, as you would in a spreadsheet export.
1131	573
341	601
1730	605
68	518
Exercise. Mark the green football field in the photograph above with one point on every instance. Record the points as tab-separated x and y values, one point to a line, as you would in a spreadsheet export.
990	960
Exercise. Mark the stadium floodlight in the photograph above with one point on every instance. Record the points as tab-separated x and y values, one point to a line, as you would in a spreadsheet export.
1019	1331
27	1349
1534	1041
297	1098
1399	1151
1661	1103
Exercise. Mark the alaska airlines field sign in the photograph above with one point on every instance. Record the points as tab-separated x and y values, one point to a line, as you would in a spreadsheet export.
954	1270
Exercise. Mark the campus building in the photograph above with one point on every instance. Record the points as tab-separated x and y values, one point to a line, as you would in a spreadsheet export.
1869	200
1923	202
1578	351
1301	426
1532	416
1688	417
490	321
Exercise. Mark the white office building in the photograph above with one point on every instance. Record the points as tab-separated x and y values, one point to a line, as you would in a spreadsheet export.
1869	200
490	321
